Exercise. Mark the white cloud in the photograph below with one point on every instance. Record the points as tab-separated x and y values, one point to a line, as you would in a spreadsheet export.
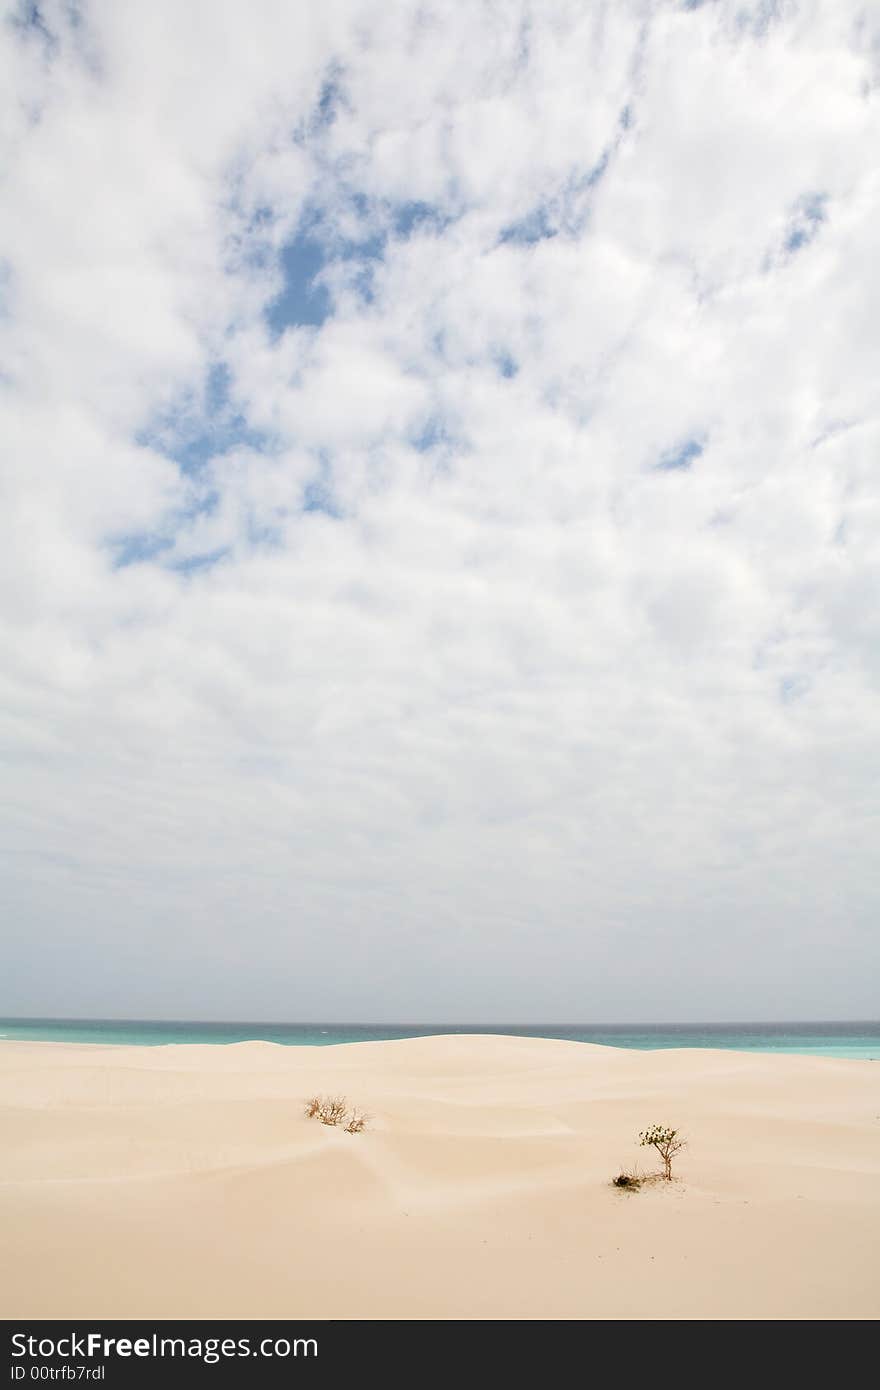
394	676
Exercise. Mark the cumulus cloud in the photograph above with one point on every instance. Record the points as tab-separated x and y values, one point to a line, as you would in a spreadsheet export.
439	565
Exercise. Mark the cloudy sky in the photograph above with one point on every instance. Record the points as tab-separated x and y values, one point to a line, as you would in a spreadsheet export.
440	565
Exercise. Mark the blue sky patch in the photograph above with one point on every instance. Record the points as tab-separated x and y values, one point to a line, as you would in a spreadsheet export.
534	227
195	563
194	433
409	217
317	494
141	547
317	497
592	176
792	688
681	456
31	23
303	302
330	97
432	433
568	211
808	217
138	549
331	94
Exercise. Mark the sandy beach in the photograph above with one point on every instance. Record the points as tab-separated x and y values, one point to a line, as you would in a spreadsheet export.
186	1181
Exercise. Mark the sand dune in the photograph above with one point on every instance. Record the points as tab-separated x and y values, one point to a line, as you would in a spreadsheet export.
186	1182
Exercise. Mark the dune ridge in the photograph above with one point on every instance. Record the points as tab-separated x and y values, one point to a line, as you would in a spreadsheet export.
186	1181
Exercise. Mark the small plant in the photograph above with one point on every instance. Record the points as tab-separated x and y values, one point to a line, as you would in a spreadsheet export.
629	1181
330	1110
667	1144
333	1110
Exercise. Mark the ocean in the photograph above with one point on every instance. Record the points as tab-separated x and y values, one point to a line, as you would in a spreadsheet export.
860	1041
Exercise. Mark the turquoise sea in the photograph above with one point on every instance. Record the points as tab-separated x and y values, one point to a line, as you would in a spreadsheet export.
854	1040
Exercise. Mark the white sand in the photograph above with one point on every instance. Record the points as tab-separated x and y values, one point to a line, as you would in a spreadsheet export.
186	1182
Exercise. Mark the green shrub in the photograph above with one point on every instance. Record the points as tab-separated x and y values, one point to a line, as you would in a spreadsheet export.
667	1144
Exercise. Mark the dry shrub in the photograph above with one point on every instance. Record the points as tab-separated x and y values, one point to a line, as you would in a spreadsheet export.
333	1110
629	1181
629	1178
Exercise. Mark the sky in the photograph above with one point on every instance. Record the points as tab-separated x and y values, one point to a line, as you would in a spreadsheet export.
439	564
